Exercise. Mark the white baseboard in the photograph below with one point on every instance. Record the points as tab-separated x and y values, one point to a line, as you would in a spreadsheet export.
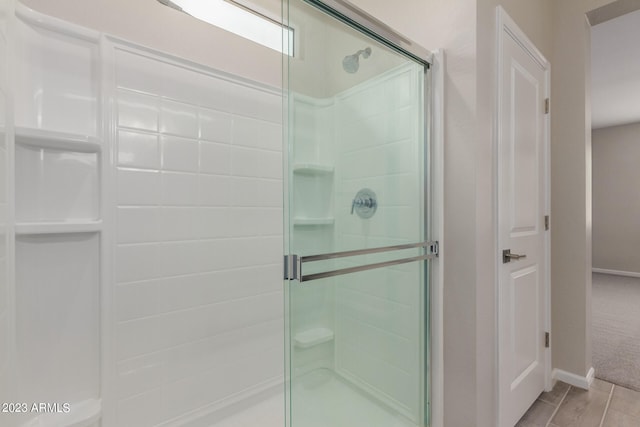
616	272
573	379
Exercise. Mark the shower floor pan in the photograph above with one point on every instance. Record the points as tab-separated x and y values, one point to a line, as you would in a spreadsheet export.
322	399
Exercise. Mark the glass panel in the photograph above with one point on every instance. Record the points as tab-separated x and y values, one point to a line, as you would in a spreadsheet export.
357	343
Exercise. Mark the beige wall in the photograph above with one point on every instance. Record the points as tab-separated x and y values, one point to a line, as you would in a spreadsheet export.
321	45
616	202
571	185
138	20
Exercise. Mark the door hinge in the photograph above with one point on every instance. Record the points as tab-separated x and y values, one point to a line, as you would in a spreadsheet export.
547	106
546	222
433	248
546	340
291	267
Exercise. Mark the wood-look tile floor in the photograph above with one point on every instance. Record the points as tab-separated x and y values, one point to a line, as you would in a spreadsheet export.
605	405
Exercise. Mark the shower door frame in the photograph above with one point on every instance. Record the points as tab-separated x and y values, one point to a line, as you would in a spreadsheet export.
433	98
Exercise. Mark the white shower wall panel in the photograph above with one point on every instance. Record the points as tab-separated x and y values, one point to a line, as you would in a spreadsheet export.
56	185
49	300
58	77
198	292
377	312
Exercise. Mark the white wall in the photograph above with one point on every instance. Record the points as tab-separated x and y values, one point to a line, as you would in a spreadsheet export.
616	205
191	161
199	237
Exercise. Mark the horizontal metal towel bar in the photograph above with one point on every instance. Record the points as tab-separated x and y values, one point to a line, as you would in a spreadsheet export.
293	263
322	257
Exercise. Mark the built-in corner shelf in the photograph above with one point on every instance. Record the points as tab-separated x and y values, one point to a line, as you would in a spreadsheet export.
57	180
26	228
312	337
313	221
312	169
55	140
313	194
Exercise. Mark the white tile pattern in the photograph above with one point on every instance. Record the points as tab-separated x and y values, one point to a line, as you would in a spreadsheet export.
377	323
199	240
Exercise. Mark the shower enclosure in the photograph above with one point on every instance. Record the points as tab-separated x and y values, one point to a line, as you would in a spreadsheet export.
143	220
356	222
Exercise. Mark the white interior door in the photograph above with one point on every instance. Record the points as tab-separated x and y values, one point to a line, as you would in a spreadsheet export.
522	199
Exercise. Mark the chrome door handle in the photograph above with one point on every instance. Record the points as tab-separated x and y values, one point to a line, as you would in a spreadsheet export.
507	256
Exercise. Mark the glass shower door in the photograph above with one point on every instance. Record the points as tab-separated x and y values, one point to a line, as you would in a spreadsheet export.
356	226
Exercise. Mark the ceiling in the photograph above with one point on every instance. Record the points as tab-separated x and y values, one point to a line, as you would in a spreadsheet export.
615	68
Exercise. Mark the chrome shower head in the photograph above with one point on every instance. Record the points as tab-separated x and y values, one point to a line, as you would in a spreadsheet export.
351	63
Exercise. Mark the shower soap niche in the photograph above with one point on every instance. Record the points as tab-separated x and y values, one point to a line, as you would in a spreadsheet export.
56	183
313	221
312	337
57	140
56	82
58	308
312	169
313	194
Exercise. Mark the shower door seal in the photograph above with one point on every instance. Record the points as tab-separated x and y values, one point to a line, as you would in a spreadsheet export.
293	263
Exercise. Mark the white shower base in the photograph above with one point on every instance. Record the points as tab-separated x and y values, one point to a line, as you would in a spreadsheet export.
267	413
322	399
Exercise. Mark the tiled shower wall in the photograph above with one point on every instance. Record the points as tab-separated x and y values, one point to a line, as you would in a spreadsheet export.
198	292
378	324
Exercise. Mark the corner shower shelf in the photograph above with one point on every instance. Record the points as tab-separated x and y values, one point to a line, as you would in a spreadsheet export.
312	169
26	228
312	337
313	221
55	140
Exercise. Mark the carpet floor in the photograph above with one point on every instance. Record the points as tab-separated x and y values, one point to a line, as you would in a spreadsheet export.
616	329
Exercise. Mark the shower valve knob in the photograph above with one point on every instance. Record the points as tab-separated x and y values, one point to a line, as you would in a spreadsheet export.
364	204
367	203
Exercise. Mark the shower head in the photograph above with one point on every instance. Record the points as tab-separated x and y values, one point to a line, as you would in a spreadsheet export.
351	63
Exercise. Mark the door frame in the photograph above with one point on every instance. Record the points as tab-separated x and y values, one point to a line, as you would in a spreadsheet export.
507	27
